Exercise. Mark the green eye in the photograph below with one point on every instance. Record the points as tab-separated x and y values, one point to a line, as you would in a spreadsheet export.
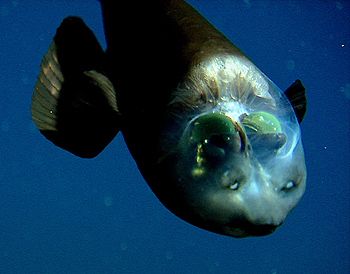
209	124
212	135
261	122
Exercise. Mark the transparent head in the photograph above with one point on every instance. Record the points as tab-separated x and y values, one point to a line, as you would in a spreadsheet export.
239	165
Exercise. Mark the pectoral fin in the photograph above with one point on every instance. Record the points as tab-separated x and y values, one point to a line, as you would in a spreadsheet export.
296	95
74	104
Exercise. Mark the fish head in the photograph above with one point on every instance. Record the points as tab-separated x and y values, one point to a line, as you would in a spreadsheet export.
238	168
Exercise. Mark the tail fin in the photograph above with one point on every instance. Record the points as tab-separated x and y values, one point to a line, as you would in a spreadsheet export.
74	105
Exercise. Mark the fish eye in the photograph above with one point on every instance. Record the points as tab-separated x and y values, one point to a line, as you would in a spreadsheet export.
213	152
261	122
221	141
208	125
212	136
264	131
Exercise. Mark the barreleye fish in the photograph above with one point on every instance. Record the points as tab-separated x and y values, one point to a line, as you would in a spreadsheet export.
216	140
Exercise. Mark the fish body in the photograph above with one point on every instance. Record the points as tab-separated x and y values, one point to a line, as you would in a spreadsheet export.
216	140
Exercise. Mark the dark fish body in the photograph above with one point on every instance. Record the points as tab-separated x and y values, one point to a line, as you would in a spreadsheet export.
215	139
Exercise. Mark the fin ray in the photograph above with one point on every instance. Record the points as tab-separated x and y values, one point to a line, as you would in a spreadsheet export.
297	97
74	104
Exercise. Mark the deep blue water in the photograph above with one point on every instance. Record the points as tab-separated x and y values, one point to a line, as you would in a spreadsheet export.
63	214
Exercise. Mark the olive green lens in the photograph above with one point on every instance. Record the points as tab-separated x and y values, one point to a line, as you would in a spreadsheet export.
209	124
262	123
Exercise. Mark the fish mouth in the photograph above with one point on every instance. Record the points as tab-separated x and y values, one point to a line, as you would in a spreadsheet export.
244	228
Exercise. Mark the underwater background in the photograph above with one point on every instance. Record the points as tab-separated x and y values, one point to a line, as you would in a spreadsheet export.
63	214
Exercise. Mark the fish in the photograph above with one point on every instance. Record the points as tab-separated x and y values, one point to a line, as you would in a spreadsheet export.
215	139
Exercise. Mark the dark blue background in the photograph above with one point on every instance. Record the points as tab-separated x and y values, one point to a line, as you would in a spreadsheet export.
62	214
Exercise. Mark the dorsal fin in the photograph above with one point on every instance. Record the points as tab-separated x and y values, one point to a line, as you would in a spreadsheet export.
74	104
297	97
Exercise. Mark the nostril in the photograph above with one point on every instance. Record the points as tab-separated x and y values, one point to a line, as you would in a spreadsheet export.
234	186
290	185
